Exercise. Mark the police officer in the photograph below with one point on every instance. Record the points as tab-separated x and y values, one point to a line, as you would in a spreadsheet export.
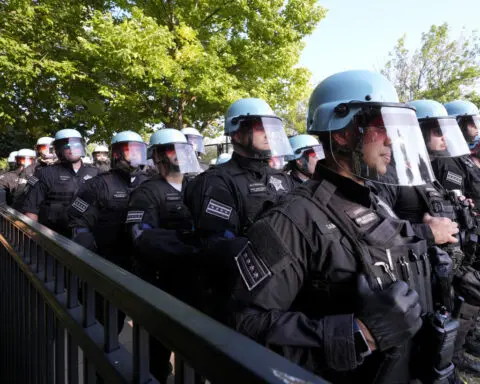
195	138
433	215
321	277
14	182
97	215
160	225
306	152
464	172
45	152
100	158
225	199
53	188
45	157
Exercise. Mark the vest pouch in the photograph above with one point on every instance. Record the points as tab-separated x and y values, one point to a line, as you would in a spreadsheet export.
57	214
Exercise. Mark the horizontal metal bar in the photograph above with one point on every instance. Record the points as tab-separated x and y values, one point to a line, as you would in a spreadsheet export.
203	342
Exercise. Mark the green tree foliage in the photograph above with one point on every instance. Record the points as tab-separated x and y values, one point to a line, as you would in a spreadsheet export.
105	66
442	69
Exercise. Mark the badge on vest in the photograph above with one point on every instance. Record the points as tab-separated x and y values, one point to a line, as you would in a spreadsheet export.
80	205
253	270
32	180
64	178
276	183
87	177
454	178
173	197
135	216
257	188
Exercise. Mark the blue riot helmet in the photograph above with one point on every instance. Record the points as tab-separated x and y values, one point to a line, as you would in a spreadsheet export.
246	120
129	151
172	153
366	131
441	132
307	150
69	145
195	138
468	119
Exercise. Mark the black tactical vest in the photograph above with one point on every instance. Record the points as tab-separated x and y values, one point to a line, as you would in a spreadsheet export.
385	248
254	189
62	184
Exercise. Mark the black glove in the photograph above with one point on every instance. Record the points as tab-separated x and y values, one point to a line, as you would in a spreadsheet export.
392	315
85	239
467	284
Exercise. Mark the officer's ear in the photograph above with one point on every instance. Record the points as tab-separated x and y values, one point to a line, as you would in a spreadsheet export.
342	138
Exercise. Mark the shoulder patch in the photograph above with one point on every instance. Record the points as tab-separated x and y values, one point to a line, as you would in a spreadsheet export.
215	208
454	178
80	205
253	269
32	180
135	216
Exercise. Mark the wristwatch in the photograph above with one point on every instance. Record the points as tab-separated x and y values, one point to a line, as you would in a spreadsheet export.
361	346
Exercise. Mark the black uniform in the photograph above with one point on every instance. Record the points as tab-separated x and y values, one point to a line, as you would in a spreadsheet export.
411	203
459	173
13	183
101	207
226	199
161	225
298	292
98	215
27	173
52	191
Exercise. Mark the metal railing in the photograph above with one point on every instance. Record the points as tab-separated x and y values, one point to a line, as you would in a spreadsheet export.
48	335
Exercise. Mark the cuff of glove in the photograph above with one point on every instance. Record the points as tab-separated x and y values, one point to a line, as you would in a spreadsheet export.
339	342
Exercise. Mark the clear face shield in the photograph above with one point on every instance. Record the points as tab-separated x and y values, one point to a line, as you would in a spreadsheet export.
134	153
444	138
470	126
268	138
277	162
45	151
276	136
24	161
383	144
197	143
181	157
100	156
71	149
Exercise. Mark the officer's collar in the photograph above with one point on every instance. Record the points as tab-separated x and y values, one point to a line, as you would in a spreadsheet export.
256	165
347	187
